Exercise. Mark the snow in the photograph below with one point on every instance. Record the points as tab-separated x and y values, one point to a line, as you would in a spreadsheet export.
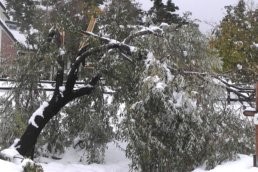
161	86
3	2
185	53
178	99
9	167
61	51
21	38
164	25
57	167
150	59
12	154
38	112
243	164
255	45
133	49
62	88
170	77
248	108
239	66
26	161
256	119
115	161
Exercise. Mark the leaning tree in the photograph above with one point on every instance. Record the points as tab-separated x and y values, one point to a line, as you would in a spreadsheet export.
49	45
65	91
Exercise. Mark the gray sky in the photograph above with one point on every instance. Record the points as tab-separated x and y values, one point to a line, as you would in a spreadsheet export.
210	12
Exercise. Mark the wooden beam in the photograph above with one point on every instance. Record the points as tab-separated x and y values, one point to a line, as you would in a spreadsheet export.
249	113
91	24
256	126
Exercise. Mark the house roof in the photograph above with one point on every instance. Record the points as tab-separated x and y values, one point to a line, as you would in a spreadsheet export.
3	4
14	34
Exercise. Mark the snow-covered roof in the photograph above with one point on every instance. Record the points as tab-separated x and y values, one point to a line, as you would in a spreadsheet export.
3	4
14	34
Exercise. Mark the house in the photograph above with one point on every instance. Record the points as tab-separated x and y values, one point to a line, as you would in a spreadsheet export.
9	37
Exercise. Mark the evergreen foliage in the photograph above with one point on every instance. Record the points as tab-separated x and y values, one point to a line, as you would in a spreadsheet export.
235	39
32	67
161	13
119	17
176	122
164	101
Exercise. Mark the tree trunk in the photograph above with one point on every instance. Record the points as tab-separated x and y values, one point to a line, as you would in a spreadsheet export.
29	138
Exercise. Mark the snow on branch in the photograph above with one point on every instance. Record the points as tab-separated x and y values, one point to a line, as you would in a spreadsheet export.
38	112
243	94
126	50
88	88
145	31
123	46
157	31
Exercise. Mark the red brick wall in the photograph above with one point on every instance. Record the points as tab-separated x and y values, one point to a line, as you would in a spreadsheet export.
8	49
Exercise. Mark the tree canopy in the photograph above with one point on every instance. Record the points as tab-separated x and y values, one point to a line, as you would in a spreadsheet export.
235	39
151	83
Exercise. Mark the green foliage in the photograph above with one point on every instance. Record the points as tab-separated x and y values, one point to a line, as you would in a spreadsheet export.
87	125
39	63
30	166
234	40
172	118
176	121
119	18
161	13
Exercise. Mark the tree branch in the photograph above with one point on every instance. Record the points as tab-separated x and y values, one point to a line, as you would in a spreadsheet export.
109	44
88	88
238	91
59	82
156	31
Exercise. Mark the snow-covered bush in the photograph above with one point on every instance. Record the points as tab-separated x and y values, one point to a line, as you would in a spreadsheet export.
177	120
30	166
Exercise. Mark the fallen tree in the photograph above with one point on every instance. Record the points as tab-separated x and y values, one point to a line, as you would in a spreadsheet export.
66	92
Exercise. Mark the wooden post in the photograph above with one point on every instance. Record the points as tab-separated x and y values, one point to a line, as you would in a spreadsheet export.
91	24
254	114
256	127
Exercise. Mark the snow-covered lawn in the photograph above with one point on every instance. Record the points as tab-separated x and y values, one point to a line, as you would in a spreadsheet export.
60	167
115	161
243	164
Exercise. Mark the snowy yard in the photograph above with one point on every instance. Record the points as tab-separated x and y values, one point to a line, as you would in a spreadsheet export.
115	161
244	164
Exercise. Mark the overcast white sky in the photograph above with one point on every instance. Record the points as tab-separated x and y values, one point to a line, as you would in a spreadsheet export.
208	11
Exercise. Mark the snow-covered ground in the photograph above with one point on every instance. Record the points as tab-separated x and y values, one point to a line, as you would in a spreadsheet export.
115	161
243	164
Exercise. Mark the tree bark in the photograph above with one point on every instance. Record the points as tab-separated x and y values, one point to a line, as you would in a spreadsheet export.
28	140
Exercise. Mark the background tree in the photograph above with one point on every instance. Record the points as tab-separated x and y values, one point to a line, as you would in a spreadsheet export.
161	13
235	41
173	124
